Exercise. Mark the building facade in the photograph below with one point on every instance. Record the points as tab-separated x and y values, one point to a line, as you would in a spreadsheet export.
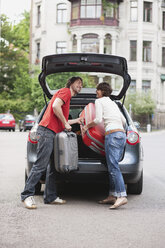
134	29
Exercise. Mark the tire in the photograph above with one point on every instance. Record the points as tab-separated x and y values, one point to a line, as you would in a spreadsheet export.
37	187
136	188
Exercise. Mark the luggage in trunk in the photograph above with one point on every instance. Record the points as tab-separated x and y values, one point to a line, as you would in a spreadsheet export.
66	152
95	136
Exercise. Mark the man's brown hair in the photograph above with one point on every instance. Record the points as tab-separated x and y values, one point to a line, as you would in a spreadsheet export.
105	88
72	80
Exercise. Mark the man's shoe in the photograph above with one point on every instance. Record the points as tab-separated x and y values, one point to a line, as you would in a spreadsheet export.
108	200
119	202
58	201
30	203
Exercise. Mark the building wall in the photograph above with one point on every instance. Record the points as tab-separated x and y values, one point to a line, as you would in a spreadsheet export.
50	32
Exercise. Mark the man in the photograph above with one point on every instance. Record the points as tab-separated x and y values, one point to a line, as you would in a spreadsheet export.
55	120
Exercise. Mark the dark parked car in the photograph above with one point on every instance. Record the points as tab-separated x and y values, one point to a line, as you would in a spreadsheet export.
92	166
7	122
27	123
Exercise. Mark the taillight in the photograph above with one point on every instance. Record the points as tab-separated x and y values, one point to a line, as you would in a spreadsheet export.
33	137
132	138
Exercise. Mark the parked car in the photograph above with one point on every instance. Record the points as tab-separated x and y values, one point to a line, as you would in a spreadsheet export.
7	122
27	123
92	166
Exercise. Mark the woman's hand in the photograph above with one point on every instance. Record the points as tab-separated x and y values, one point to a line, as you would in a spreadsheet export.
84	129
80	120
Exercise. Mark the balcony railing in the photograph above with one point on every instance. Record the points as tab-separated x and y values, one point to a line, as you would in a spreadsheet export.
92	21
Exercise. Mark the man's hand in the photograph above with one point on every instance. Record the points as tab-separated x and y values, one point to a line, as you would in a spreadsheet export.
68	127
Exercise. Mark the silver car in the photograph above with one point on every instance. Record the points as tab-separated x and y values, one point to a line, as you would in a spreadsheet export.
92	166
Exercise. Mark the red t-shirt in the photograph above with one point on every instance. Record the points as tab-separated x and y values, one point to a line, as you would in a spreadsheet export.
50	120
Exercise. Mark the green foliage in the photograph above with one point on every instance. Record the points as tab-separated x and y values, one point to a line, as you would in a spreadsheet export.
108	5
142	105
54	81
15	81
21	33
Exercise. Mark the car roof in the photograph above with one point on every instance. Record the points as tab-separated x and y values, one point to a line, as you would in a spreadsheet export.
84	62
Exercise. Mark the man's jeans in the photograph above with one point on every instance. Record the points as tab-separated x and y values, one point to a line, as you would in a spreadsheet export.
114	146
42	164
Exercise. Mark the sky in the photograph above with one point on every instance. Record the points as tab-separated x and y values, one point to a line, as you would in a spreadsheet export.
14	8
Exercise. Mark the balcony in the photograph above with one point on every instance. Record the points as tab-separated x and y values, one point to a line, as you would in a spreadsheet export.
96	22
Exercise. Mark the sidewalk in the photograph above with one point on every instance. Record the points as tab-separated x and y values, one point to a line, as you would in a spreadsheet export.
152	132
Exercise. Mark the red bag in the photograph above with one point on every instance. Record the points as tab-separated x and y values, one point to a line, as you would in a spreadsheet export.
95	136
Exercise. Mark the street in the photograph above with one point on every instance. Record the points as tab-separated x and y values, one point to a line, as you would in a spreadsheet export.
82	222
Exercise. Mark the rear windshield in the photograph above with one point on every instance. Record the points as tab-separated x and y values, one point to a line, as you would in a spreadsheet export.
6	117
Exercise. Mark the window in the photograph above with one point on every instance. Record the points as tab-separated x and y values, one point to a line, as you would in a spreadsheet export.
146	85
147	12
37	53
38	15
61	47
108	44
163	20
132	87
75	10
110	11
90	8
133	11
90	43
133	50
163	56
61	13
74	44
147	51
163	3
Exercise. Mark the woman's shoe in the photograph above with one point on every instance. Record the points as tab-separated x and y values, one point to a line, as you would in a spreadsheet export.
119	202
108	200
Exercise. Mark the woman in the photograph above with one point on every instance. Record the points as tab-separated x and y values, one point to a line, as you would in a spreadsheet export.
115	139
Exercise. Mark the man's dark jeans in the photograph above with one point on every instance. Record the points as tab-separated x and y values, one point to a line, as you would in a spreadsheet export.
42	164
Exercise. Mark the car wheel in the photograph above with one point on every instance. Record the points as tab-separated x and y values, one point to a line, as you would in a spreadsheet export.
136	188
13	129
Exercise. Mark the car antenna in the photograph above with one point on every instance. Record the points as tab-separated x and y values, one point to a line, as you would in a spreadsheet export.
45	100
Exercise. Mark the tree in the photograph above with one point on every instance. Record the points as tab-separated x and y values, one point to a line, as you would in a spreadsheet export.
55	81
142	105
15	81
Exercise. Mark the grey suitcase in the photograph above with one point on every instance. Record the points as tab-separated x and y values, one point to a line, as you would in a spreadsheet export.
66	152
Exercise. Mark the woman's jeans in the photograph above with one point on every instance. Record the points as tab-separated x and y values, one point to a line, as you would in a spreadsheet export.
114	147
42	164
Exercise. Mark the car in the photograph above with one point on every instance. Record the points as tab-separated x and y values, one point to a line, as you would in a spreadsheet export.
7	122
27	123
92	166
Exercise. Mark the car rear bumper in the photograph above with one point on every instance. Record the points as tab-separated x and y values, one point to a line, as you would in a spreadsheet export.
97	172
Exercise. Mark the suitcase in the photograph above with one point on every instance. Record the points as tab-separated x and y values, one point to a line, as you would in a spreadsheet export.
95	136
66	152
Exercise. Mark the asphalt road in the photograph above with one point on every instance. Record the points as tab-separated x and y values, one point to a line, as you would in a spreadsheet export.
82	222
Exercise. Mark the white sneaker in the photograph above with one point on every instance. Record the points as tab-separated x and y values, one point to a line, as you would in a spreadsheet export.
58	201
30	203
